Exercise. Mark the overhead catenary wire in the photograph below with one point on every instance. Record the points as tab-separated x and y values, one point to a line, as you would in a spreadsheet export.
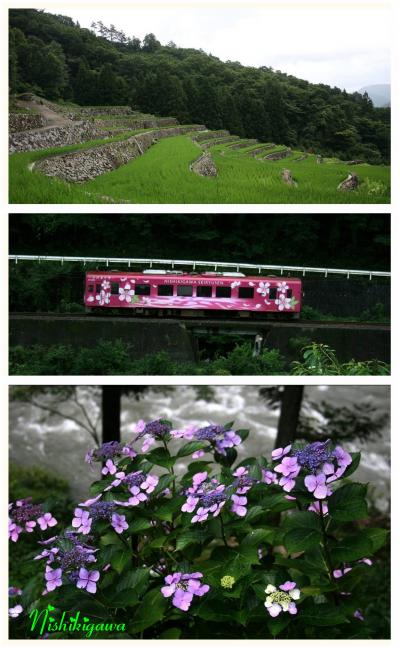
193	264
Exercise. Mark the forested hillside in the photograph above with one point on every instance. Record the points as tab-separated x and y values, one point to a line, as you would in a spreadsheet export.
329	240
55	58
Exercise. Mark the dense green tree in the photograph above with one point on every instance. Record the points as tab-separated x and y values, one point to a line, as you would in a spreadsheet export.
150	43
111	88
85	84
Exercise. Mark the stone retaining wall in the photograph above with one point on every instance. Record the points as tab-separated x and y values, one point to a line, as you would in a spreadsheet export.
214	142
204	166
81	166
279	155
136	124
241	145
56	136
93	111
18	122
261	149
211	135
142	336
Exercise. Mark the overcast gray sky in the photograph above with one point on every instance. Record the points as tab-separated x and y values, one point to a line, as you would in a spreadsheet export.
344	44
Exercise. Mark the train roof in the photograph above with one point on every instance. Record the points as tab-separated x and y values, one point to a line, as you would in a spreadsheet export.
195	276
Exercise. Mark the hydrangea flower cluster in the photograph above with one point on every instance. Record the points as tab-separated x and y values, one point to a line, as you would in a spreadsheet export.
157	430
217	436
183	587
321	464
109	450
207	496
282	599
25	516
97	510
227	582
68	559
139	486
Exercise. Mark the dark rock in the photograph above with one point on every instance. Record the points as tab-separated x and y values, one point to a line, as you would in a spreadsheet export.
204	166
288	178
350	183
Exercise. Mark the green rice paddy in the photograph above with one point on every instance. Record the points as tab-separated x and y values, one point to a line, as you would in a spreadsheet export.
162	175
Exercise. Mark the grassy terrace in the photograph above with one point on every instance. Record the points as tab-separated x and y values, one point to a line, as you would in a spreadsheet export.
162	175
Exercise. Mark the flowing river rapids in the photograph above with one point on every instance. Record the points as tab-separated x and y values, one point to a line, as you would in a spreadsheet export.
37	438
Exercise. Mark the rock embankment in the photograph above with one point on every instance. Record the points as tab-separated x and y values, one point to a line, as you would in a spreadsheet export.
136	124
207	135
94	111
216	141
260	149
279	155
204	166
55	136
241	145
18	122
81	166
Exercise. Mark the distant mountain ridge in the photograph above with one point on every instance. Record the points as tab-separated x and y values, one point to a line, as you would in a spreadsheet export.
378	93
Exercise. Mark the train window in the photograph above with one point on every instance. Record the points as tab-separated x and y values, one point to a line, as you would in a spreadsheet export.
223	291
203	291
246	293
184	291
98	288
272	293
142	289
289	293
165	291
114	287
90	288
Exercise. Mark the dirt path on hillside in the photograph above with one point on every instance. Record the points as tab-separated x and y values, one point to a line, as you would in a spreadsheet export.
52	117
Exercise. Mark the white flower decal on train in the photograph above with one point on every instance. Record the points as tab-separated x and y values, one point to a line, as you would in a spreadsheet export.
283	302
106	285
235	284
103	297
282	286
263	288
126	293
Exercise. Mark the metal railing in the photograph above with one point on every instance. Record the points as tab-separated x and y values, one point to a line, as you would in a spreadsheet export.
215	265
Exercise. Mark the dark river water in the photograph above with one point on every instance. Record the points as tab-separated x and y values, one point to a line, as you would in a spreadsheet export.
59	444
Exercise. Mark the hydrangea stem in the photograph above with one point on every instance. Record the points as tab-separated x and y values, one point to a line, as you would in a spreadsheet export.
327	555
170	468
222	530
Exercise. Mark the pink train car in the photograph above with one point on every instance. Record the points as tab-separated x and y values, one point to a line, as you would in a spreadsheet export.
208	291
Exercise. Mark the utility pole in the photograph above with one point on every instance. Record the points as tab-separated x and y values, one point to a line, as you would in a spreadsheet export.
290	411
111	412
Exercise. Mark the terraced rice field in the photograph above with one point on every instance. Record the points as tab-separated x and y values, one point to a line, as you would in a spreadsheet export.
163	175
